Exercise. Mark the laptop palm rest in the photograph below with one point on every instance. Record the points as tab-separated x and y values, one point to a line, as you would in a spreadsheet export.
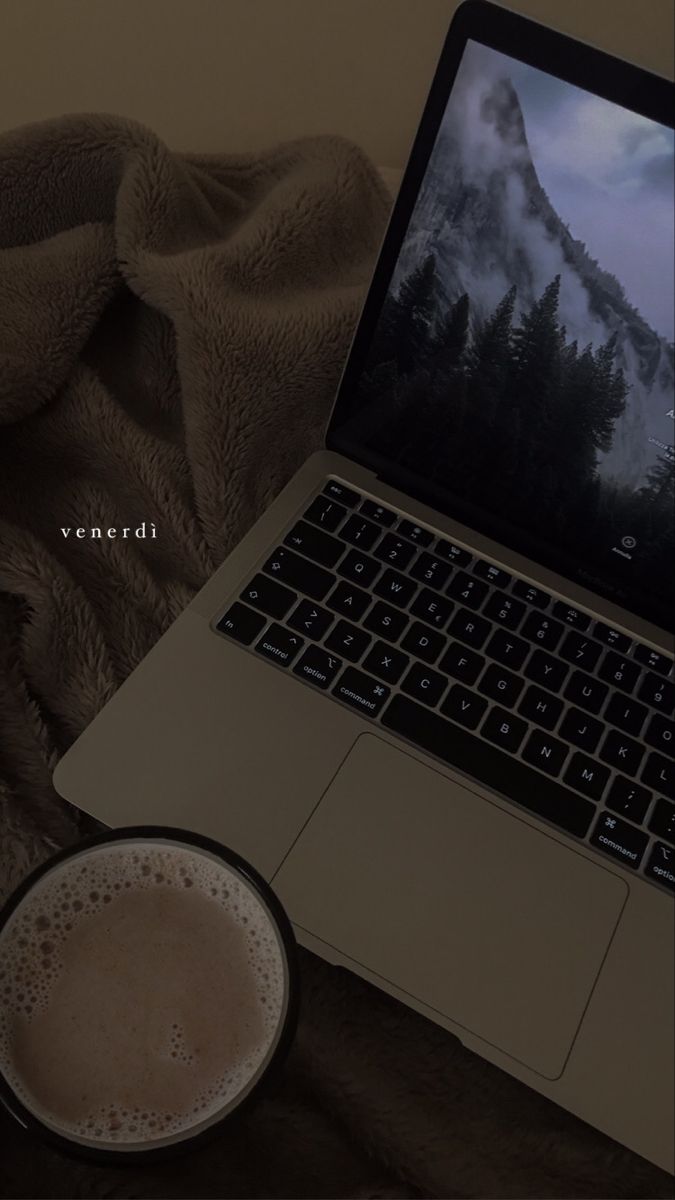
455	902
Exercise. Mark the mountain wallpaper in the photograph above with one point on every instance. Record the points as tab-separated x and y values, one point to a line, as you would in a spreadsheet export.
513	363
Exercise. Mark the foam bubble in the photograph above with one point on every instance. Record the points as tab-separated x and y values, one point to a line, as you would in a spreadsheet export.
32	946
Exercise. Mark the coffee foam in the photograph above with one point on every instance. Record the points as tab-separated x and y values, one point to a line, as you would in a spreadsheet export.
106	882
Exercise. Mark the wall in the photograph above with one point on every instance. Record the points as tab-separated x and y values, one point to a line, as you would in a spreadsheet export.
231	75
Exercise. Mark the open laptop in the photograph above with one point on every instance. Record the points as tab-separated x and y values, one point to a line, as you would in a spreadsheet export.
430	695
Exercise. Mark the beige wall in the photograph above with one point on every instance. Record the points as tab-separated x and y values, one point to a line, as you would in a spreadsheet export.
239	74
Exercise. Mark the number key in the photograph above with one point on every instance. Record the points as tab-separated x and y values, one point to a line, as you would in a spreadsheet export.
620	672
431	570
471	590
395	551
543	630
359	532
504	610
657	692
580	650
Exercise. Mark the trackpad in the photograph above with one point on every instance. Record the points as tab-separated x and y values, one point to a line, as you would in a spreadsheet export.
454	901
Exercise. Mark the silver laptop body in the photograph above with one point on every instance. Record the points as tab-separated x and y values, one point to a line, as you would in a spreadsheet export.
358	703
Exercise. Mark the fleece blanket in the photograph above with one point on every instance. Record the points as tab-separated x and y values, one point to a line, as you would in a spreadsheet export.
172	328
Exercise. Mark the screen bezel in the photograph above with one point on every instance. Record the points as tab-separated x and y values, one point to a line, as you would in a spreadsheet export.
573	62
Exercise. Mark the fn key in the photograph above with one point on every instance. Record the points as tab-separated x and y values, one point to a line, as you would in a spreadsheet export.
241	623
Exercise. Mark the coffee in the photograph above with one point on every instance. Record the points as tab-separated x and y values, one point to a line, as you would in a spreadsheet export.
142	990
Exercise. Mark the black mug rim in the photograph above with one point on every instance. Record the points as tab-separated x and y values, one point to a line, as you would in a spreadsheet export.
33	1124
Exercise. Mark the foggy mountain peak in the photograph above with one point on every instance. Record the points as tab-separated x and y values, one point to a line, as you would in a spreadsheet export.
489	223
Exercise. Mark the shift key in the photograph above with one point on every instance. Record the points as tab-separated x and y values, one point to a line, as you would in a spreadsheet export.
297	572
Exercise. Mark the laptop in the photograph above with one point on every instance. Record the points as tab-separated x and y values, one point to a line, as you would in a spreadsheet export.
430	694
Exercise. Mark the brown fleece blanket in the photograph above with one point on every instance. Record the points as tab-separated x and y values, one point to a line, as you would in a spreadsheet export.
172	329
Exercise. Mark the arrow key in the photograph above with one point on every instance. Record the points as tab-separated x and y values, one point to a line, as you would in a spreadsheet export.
310	619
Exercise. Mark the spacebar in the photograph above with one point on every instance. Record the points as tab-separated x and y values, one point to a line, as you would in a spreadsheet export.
490	766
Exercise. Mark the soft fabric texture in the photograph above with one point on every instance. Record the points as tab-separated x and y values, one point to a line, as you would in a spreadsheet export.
172	329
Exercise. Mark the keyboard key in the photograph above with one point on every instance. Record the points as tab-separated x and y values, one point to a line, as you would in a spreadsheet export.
549	672
505	730
325	512
620	672
314	543
348	641
542	630
614	836
626	713
469	628
359	568
586	691
571	616
361	692
431	570
317	666
338	491
658	693
359	532
415	533
461	663
386	621
451	552
385	662
587	776
397	588
659	773
508	649
468	753
464	706
349	601
241	623
581	730
661	865
611	637
501	685
269	597
504	610
493	574
541	707
377	512
628	798
545	752
423	642
662	821
310	620
307	577
580	650
394	551
471	592
279	645
432	608
621	751
424	684
653	660
660	733
531	594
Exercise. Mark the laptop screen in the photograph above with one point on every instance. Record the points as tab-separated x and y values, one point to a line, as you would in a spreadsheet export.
522	364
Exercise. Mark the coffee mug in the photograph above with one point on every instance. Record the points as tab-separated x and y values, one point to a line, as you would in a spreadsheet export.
148	991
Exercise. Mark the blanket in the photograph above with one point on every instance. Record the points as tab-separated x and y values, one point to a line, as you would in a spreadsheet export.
172	329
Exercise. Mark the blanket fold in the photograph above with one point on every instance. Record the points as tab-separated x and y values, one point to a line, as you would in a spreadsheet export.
172	330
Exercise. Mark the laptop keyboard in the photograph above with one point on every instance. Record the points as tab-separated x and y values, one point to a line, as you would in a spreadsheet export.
531	696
